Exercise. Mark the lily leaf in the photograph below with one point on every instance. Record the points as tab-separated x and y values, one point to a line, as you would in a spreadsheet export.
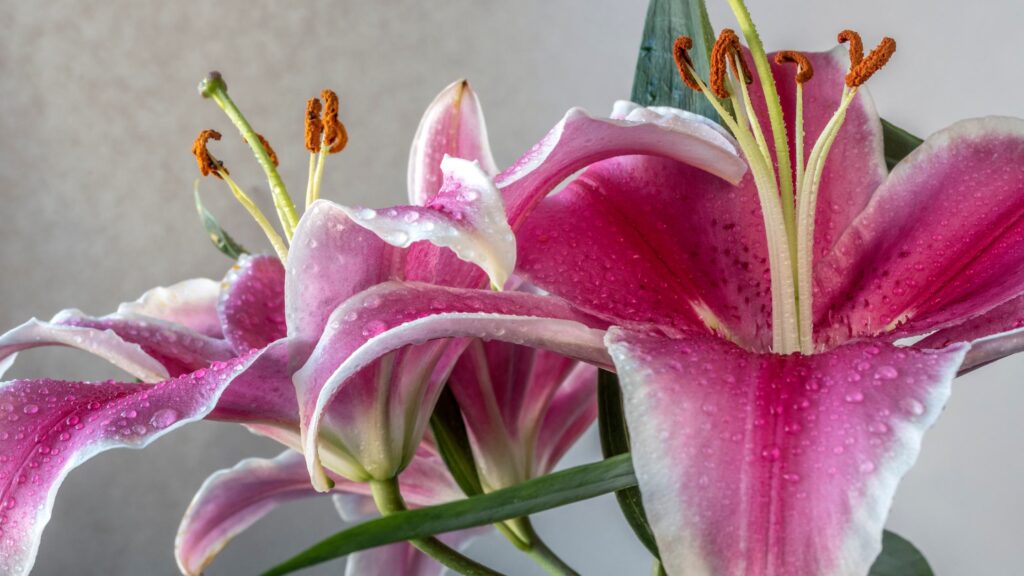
898	143
453	442
611	422
656	81
537	495
899	558
220	238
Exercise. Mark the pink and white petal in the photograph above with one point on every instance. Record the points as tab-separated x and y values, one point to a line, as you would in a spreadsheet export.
466	216
251	304
393	315
518	403
453	125
50	427
942	240
103	343
1006	317
570	414
232	500
642	240
581	139
331	258
191	303
774	465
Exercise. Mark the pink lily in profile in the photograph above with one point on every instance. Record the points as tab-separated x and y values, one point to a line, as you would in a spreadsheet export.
757	326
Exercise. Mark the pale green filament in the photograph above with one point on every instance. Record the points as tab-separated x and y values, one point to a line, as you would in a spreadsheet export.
808	199
310	195
213	86
785	324
275	239
318	175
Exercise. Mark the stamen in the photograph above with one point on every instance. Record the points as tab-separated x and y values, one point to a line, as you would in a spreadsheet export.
856	46
335	135
207	163
210	165
804	70
314	127
874	62
728	44
680	51
214	87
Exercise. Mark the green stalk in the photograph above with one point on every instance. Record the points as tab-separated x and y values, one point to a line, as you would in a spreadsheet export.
388	498
541	554
213	86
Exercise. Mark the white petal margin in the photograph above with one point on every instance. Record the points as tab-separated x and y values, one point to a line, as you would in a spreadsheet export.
453	125
103	343
467	216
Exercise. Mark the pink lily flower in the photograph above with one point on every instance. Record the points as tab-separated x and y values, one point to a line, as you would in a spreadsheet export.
772	404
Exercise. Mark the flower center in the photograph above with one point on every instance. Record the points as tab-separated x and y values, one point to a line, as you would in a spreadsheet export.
787	194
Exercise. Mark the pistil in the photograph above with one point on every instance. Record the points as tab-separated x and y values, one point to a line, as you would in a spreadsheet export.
214	87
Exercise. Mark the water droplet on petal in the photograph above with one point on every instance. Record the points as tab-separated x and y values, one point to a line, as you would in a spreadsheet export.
164	418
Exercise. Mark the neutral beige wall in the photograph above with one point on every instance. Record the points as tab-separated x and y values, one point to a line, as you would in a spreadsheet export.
98	111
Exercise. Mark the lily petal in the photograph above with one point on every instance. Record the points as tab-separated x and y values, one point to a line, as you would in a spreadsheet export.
942	240
232	500
50	427
191	303
393	315
522	407
467	216
581	139
453	125
806	449
251	304
649	240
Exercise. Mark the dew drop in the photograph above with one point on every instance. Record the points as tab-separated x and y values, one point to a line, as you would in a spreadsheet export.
855	397
164	418
886	373
912	406
30	409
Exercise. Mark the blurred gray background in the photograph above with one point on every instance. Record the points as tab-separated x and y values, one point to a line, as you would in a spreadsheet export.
98	110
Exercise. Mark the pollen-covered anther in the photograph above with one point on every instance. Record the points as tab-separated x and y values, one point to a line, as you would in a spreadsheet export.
872	63
207	163
266	146
856	46
725	54
804	70
335	135
680	51
314	126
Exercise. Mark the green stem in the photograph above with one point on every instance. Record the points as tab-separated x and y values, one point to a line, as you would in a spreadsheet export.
213	86
389	500
659	569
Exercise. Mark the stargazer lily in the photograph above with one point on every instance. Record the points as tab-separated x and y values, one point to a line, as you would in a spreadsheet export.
757	321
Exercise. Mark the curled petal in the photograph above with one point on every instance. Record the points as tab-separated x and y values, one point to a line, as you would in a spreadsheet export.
49	427
453	125
581	139
191	303
941	241
393	315
765	464
467	216
251	305
232	500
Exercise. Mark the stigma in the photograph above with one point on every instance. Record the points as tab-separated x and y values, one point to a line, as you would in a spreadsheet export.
787	190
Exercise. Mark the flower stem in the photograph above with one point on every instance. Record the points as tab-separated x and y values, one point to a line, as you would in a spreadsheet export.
388	498
213	86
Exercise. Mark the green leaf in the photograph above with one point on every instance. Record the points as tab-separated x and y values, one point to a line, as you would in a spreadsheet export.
656	81
611	423
220	238
453	443
899	558
537	495
898	143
